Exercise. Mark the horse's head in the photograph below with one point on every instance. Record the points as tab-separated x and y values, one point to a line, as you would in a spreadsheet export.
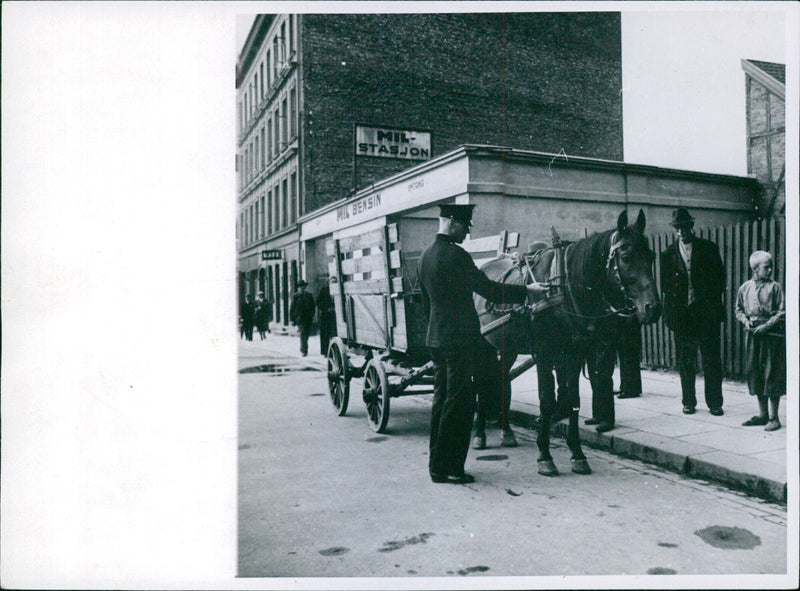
630	266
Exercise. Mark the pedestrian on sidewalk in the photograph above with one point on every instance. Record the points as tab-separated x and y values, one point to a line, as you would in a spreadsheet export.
761	309
263	316
449	277
692	284
248	317
301	313
327	316
629	351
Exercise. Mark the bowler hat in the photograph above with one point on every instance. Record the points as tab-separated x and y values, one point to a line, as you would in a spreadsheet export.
681	217
459	213
301	283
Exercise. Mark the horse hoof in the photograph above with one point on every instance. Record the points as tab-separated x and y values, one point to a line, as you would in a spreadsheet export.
508	440
479	442
581	467
547	468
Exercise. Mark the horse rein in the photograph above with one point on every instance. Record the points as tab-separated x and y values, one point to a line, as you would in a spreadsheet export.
611	265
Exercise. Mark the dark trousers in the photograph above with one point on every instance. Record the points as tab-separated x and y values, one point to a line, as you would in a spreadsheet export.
706	339
453	408
629	351
305	331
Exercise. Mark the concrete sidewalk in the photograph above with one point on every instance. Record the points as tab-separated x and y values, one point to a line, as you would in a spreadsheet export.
651	428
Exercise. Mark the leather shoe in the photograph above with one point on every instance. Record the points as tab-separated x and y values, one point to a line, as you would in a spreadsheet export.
716	411
755	421
452	478
591	422
603	427
688	410
623	395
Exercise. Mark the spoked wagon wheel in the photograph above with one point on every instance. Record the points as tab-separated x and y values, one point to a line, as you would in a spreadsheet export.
338	376
376	395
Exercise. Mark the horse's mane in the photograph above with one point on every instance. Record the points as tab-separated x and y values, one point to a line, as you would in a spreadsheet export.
586	263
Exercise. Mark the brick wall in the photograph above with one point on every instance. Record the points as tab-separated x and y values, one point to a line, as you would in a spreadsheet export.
546	82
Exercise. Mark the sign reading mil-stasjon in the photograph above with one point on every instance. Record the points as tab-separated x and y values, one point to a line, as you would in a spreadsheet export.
389	142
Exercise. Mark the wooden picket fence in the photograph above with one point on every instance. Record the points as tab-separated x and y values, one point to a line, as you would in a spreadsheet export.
736	243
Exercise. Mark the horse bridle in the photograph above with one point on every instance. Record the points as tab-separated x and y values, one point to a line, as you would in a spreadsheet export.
612	265
630	306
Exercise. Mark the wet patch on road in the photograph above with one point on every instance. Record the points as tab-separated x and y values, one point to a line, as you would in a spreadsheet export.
667	545
245	446
512	493
376	439
274	368
729	538
318	394
397	544
492	458
411	571
335	551
660	570
473	569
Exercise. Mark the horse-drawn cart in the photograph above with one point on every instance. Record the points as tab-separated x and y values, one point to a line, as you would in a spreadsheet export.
380	315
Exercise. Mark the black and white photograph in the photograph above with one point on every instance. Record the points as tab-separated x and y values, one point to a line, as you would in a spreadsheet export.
409	295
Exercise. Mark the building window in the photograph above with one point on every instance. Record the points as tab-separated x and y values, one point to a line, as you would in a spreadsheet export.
283	45
284	203
283	124
277	195
257	100
290	51
263	149
261	70
257	157
277	130
275	58
270	205
269	77
293	113
262	220
269	139
241	118
256	226
292	198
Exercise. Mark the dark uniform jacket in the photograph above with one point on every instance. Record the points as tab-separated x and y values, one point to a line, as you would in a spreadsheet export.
708	281
449	277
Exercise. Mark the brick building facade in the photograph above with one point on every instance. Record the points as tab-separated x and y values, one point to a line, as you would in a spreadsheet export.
538	81
766	133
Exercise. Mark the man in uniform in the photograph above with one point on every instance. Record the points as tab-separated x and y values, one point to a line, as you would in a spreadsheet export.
449	277
692	284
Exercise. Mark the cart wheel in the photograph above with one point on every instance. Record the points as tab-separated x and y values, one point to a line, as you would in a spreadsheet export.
376	395
338	376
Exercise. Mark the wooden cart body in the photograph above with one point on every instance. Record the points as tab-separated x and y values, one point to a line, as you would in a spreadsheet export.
380	316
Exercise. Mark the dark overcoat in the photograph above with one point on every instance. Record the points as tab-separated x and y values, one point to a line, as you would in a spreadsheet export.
449	277
708	281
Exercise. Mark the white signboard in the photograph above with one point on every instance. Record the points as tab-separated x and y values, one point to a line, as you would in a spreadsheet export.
390	142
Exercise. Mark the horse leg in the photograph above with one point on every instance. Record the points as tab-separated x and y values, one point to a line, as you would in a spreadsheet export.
579	463
479	439
544	373
507	437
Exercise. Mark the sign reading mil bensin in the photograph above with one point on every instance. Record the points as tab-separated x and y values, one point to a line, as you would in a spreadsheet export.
389	142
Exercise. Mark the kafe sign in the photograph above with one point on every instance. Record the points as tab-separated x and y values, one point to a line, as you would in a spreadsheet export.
390	142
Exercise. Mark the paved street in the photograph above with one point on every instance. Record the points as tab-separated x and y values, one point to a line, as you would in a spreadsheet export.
324	496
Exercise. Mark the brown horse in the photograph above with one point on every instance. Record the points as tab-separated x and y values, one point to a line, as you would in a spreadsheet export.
606	278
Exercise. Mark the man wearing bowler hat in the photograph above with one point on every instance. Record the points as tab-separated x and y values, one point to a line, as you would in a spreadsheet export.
692	284
449	277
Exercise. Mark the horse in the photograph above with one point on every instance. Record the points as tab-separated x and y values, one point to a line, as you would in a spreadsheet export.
597	283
